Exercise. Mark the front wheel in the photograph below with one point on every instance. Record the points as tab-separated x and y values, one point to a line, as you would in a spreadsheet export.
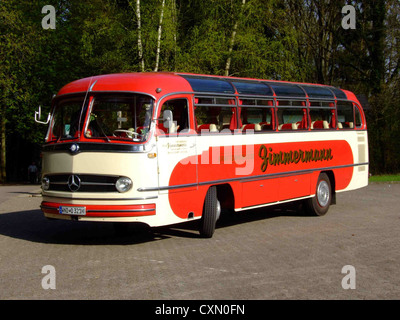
319	204
211	213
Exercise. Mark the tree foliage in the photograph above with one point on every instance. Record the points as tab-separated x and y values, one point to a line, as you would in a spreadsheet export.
271	39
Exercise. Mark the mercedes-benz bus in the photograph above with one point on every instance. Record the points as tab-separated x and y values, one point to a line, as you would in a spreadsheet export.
165	148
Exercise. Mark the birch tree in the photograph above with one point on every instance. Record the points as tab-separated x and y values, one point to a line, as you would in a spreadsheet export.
159	36
175	31
139	30
317	24
232	42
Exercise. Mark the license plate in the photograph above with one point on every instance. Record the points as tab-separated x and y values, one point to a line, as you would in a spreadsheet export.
77	211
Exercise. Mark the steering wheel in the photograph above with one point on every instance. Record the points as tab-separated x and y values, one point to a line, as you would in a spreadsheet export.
128	133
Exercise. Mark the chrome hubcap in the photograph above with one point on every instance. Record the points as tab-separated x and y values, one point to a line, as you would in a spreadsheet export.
218	209
323	193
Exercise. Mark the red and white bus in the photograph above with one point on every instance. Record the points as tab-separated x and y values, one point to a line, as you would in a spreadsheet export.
164	148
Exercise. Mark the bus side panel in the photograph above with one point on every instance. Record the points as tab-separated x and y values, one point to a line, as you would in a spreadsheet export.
360	173
279	171
258	192
343	177
293	186
275	189
184	203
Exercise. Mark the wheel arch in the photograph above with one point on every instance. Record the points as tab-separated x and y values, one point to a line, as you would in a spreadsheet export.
331	176
226	196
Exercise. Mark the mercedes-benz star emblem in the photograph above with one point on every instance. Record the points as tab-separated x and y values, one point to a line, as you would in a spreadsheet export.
74	183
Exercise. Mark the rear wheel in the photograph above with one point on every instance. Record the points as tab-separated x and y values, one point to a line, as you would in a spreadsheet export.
211	213
319	204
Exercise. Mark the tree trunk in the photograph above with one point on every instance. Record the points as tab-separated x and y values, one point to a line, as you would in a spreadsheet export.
139	28
377	46
174	21
159	36
3	175
232	43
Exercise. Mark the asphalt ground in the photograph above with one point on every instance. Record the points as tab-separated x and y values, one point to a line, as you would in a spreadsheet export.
265	254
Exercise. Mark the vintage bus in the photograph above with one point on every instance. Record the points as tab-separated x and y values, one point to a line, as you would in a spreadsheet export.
165	148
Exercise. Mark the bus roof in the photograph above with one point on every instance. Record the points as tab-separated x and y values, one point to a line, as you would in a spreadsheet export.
158	84
147	82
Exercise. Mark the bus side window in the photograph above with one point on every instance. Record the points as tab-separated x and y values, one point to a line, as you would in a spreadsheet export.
358	117
345	115
322	116
180	112
292	118
257	119
214	119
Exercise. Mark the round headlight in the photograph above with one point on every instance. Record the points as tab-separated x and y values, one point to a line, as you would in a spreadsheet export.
45	183
123	184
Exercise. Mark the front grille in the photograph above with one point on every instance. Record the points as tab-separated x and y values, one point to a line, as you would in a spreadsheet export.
82	183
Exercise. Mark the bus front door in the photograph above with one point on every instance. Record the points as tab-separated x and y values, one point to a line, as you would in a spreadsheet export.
176	149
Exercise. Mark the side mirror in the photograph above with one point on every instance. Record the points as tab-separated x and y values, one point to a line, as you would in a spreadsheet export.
167	118
38	115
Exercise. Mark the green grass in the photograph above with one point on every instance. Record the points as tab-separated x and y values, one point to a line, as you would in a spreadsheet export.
385	178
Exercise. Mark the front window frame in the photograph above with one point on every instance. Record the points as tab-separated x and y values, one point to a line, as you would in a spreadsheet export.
120	95
51	137
88	102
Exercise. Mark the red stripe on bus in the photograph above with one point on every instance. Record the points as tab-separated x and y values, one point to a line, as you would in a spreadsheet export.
281	171
104	210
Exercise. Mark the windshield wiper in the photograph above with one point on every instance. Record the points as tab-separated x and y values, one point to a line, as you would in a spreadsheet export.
101	129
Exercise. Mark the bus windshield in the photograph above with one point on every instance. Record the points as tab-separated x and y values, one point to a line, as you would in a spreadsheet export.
67	118
124	117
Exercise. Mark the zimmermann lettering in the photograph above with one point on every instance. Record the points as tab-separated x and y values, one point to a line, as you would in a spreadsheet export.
277	158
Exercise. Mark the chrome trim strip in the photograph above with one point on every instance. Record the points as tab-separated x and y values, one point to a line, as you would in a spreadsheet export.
97	147
91	87
133	210
103	199
252	178
62	183
104	91
97	184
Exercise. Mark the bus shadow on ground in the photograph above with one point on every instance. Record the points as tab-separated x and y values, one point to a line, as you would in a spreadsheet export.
229	218
31	225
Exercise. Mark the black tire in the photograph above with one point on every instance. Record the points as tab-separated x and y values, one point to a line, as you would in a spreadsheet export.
319	204
211	212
